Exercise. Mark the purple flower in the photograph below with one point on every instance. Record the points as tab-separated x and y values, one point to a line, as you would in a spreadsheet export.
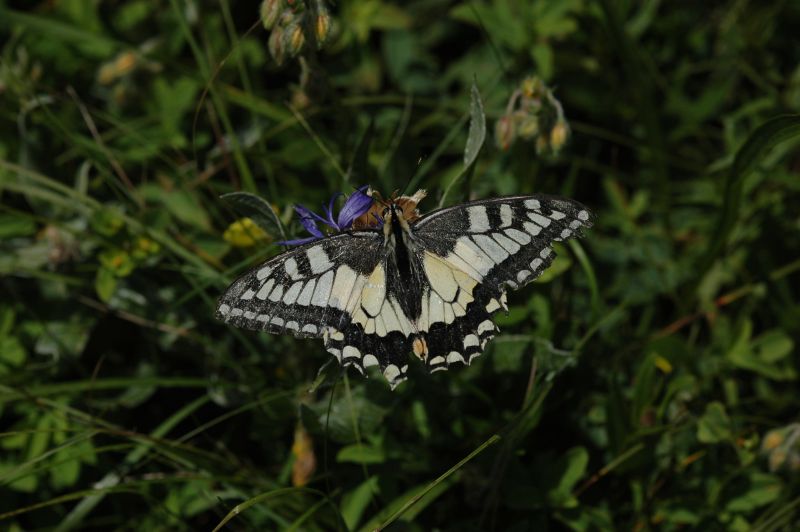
357	204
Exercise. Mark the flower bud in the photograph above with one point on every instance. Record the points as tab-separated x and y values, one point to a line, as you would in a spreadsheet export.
558	135
295	39
270	9
527	125
773	439
532	87
322	28
504	132
276	47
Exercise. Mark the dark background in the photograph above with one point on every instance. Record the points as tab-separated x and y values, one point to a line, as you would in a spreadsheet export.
649	381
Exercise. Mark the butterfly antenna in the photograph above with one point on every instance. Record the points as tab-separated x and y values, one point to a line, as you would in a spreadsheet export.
403	191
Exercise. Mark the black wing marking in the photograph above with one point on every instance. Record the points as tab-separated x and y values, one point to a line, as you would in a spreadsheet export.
472	253
307	291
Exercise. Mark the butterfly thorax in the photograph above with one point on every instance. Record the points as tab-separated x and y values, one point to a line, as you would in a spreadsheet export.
403	266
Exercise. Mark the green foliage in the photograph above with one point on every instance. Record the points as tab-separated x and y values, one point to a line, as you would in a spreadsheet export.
151	151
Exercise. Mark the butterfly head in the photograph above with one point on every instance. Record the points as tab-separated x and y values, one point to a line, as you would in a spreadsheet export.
401	208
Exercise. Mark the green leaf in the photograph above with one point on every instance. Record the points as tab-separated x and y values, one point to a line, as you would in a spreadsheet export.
361	454
773	345
573	467
12	226
66	469
105	282
760	490
257	209
477	126
765	355
764	138
12	353
714	426
183	205
355	502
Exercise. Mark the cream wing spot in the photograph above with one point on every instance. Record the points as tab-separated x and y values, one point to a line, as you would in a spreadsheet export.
478	219
266	289
323	290
263	273
342	287
583	215
454	356
533	204
350	351
291	294
471	340
370	360
557	215
436	312
440	276
472	254
485	326
309	328
506	215
544	221
305	296
509	245
318	260
380	326
249	293
276	293
355	295
391	373
489	246
423	323
374	293
290	265
449	315
405	323
519	236
461	265
532	229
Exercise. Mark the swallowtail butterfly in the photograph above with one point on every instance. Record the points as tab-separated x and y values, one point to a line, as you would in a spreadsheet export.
395	283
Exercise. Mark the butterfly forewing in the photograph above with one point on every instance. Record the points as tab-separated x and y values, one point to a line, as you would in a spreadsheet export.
472	253
306	291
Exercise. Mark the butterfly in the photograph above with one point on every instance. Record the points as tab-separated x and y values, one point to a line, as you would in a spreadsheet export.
392	283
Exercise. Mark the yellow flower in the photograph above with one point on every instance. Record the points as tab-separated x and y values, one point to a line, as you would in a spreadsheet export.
244	233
